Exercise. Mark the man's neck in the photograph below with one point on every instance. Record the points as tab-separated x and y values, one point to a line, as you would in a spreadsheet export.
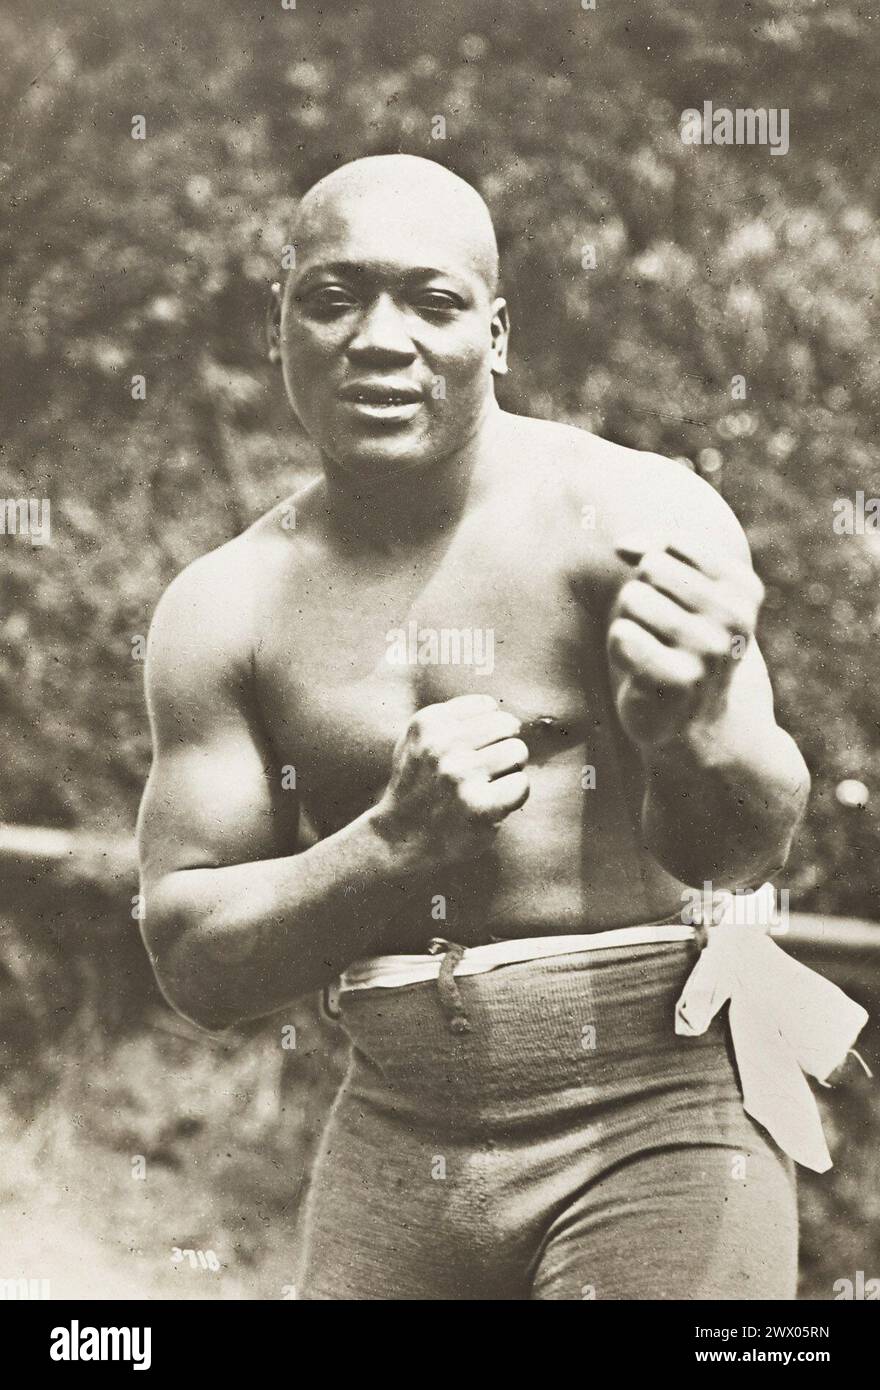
415	505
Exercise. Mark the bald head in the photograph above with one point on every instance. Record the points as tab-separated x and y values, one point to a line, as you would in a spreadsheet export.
414	200
390	331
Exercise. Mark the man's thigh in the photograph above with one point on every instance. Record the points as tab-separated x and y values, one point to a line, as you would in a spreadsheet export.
690	1222
394	1213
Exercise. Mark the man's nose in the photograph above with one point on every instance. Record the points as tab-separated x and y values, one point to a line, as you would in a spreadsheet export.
382	334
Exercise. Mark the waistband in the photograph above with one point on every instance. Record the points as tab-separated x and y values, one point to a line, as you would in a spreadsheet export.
786	1021
391	972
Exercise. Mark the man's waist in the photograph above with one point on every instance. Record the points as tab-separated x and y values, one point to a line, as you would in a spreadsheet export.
393	971
786	1022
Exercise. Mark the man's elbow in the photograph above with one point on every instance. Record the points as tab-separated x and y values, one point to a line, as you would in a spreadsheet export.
184	977
788	814
204	1014
744	847
193	1004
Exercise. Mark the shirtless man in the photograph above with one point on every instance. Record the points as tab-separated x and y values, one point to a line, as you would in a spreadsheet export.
597	734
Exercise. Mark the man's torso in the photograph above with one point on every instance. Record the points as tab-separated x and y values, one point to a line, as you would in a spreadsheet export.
512	601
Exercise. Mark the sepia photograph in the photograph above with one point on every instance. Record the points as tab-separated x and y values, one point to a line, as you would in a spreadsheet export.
440	552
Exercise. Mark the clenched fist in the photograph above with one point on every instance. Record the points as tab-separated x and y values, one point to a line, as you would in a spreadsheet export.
457	772
677	629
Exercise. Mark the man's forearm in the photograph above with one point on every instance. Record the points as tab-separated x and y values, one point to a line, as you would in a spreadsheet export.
241	941
722	803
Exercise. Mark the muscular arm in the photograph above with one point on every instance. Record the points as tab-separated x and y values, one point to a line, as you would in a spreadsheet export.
725	786
724	798
237	923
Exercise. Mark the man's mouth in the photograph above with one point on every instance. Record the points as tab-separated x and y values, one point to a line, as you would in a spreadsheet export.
381	395
383	401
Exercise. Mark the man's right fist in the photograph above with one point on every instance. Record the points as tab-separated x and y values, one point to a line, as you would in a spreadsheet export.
457	771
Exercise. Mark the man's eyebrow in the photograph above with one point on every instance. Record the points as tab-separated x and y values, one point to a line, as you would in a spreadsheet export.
363	270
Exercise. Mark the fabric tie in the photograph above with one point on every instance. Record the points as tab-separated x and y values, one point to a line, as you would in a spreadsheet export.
785	1021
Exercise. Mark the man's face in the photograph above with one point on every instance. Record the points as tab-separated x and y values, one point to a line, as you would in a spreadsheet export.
389	333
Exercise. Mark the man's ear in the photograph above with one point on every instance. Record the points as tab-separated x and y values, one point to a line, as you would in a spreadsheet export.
273	322
500	337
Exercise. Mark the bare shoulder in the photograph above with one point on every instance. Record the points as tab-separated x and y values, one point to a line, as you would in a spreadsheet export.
209	604
629	491
203	628
664	500
198	636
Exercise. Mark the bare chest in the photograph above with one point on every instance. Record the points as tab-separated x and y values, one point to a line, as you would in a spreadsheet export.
347	654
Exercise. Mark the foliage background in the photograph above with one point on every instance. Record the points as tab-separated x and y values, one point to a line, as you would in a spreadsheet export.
153	257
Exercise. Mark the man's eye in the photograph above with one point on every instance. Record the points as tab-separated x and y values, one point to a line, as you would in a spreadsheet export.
437	302
329	301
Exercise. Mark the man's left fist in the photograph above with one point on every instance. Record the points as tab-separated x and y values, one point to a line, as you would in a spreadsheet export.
677	628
